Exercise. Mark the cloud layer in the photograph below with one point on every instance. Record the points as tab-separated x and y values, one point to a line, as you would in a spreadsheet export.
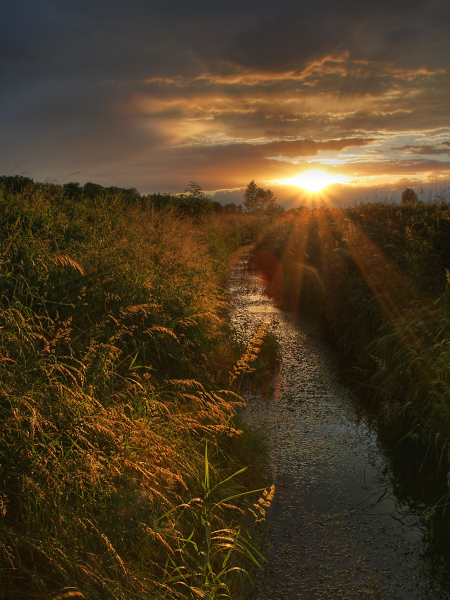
153	95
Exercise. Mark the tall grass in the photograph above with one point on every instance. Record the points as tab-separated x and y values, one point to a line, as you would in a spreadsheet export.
114	375
377	275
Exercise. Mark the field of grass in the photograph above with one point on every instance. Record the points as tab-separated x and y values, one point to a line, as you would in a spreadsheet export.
378	277
122	467
120	470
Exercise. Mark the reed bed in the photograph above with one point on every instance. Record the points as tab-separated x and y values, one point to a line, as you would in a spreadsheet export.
377	278
118	478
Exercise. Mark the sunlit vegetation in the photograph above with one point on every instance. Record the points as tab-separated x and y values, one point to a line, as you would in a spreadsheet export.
258	199
121	461
378	278
120	469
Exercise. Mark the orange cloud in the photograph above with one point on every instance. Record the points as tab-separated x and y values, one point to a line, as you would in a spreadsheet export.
342	65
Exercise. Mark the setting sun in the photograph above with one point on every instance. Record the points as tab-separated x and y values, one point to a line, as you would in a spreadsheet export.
313	181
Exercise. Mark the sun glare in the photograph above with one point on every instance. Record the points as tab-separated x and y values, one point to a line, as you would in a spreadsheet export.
314	181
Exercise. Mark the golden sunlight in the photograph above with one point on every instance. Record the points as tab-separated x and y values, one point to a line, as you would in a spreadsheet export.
314	181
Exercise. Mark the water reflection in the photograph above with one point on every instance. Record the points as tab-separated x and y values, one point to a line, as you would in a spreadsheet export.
346	522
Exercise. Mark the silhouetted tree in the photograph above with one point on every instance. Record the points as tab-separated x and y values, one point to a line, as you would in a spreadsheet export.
231	208
92	190
266	200
15	183
409	196
257	198
194	190
251	197
129	195
161	201
73	190
193	202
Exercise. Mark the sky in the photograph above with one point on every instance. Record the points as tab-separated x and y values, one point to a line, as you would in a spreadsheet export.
155	94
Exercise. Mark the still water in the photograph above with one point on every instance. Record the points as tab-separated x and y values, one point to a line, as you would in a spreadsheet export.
348	521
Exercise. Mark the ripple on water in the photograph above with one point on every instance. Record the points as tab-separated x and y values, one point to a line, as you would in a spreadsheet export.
336	529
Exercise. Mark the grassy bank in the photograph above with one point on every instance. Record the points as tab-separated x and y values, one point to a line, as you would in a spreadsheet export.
378	277
116	452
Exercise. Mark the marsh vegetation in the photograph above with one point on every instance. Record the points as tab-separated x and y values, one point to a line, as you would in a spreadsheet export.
378	278
122	466
121	476
355	510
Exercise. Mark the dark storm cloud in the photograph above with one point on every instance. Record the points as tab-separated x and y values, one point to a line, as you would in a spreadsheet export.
114	39
138	38
151	94
410	33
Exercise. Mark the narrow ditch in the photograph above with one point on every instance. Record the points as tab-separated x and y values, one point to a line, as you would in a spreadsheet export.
349	519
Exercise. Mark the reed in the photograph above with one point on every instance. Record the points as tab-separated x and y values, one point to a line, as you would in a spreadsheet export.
376	277
114	366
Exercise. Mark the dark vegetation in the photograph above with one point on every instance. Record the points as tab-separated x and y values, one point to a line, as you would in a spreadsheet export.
193	202
378	278
120	466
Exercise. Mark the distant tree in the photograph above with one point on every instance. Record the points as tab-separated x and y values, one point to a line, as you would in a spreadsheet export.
92	190
266	200
194	190
161	201
258	199
251	197
73	190
129	195
193	202
409	196
15	183
231	208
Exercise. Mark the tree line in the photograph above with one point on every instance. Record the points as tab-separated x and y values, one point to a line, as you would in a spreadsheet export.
192	202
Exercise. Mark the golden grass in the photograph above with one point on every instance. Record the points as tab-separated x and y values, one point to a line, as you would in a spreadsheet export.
111	329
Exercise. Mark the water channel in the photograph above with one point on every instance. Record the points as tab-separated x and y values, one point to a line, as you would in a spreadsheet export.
348	520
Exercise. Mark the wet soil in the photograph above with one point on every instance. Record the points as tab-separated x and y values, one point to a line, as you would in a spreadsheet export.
350	514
